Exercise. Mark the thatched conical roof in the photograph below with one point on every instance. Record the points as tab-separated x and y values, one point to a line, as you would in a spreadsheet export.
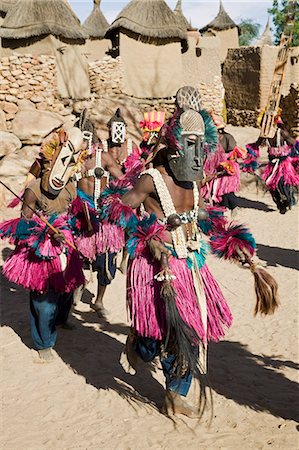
221	22
266	37
151	19
96	25
29	18
181	19
5	5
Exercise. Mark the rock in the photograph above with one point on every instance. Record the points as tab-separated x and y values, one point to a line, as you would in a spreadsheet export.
32	81
102	110
18	163
10	108
37	99
13	91
11	98
9	143
9	117
66	111
3	126
16	72
25	104
43	105
31	126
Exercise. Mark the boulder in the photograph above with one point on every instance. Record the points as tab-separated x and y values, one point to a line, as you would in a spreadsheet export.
102	109
10	108
17	164
3	126
9	143
31	126
25	104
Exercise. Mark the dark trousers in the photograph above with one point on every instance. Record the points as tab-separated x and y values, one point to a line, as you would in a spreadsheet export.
229	201
46	311
283	196
148	349
105	266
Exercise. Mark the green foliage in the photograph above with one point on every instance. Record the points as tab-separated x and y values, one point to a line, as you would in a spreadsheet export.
249	30
280	11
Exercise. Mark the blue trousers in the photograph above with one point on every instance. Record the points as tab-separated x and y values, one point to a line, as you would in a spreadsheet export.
46	311
105	266
148	349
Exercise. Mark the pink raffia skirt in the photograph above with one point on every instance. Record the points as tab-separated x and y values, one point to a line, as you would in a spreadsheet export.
40	263
27	270
285	168
106	238
217	187
147	309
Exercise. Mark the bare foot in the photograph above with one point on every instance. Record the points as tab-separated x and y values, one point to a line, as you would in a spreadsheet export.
46	355
130	351
100	310
78	295
175	404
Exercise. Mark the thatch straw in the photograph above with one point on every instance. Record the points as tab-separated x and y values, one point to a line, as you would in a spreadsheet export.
180	18
221	22
28	18
266	37
96	25
6	4
150	19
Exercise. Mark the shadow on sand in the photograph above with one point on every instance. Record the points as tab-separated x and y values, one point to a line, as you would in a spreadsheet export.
252	380
248	379
253	204
278	256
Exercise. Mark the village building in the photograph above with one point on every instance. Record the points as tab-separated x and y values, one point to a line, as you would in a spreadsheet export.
247	76
266	37
147	53
49	27
225	29
95	28
150	42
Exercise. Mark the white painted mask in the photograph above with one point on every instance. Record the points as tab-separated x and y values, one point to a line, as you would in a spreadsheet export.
118	132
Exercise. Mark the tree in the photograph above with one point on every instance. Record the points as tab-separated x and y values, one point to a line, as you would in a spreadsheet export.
281	11
249	30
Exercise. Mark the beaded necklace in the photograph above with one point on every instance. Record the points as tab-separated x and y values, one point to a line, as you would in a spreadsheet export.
180	243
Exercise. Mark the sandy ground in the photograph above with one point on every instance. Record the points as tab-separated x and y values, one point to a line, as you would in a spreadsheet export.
85	400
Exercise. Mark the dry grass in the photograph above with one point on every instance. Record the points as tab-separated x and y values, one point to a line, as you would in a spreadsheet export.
96	25
30	18
149	18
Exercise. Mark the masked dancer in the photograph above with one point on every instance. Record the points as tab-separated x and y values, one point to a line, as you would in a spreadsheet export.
176	305
44	260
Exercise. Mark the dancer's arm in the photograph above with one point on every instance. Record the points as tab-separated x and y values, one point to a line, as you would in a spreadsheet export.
111	165
142	189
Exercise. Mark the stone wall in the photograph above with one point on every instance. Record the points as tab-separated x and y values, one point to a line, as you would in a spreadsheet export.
106	76
30	78
247	76
290	109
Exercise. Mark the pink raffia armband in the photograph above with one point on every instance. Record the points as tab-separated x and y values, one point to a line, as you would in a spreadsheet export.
228	241
142	232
